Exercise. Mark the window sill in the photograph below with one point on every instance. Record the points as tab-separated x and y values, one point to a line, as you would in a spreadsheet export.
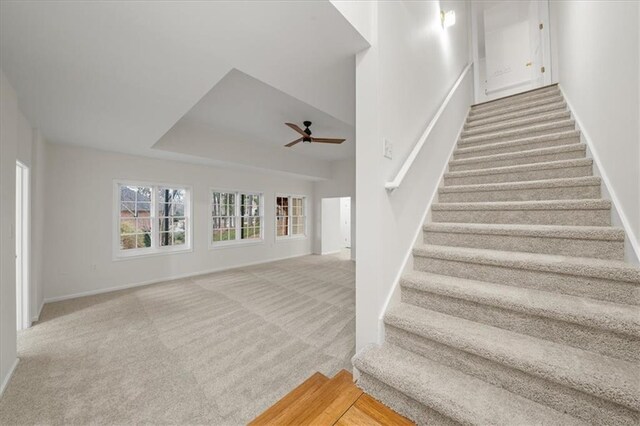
235	244
151	253
290	238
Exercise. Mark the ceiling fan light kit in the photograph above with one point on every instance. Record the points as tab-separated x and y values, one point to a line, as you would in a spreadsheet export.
306	135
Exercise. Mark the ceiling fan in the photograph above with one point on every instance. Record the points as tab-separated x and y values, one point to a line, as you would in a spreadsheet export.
306	135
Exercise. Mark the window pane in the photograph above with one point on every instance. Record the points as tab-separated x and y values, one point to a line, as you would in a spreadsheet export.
127	242
127	226
143	225
144	240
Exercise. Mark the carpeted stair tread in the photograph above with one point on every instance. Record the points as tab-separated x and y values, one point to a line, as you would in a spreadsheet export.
579	266
507	109
506	186
516	123
542	231
522	143
516	99
608	316
463	398
542	109
548	127
521	154
527	205
608	378
560	164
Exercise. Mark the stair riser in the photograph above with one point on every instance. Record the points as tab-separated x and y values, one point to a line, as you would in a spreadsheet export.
401	403
532	217
592	339
596	288
521	176
599	249
531	159
546	392
515	124
509	137
509	109
515	101
517	148
530	112
564	193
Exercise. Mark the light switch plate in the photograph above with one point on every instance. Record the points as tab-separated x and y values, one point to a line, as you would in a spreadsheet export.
388	149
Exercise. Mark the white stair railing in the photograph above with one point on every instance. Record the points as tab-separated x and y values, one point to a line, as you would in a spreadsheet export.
395	183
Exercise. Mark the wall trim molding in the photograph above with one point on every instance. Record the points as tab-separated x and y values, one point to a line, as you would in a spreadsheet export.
168	278
7	379
608	193
36	317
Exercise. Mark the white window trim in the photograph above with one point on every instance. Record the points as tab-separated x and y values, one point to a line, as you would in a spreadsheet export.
237	242
154	250
306	218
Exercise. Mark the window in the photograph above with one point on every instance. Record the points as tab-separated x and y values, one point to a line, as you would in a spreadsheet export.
236	217
151	219
290	216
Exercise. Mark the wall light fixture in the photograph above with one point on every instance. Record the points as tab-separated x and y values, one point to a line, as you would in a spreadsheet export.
448	18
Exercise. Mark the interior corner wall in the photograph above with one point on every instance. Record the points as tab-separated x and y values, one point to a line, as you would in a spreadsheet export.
596	45
401	81
38	213
79	230
342	184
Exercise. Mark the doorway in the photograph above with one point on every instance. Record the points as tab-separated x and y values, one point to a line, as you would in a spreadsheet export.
23	319
336	225
511	47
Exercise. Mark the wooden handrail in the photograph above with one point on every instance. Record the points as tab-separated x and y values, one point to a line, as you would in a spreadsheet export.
395	183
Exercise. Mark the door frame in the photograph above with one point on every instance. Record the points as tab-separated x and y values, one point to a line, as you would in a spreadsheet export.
23	246
546	45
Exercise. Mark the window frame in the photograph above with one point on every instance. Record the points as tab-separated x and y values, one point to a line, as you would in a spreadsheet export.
305	216
238	241
155	249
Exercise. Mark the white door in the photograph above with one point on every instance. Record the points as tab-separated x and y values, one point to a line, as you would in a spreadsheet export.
22	246
345	221
515	36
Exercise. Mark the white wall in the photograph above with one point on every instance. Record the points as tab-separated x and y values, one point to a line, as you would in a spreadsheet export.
342	184
400	83
8	154
39	211
596	49
78	231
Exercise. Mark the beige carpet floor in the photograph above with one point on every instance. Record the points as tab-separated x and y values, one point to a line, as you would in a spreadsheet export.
214	349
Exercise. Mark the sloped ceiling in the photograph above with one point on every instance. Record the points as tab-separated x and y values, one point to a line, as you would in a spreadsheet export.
119	75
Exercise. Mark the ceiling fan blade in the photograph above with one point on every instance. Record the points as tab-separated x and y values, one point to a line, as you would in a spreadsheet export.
327	140
297	129
290	144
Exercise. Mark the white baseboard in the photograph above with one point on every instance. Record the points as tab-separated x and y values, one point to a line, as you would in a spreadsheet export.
632	249
168	278
7	379
37	316
325	253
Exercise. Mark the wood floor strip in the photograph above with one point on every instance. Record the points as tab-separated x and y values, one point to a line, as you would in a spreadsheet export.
309	386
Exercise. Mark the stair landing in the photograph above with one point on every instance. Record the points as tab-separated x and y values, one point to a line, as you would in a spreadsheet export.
323	401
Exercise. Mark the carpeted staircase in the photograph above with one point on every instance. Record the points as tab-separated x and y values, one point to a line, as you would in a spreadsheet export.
520	309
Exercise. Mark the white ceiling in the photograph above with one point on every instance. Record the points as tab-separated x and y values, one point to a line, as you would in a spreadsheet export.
118	75
242	108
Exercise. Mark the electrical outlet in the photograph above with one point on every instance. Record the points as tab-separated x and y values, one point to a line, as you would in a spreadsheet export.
387	149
